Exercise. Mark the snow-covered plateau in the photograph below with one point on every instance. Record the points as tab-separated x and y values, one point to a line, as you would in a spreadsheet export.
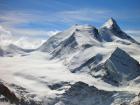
82	65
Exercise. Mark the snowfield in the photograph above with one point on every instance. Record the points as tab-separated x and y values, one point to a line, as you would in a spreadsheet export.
36	73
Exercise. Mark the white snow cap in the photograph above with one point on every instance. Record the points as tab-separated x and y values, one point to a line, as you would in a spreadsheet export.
111	23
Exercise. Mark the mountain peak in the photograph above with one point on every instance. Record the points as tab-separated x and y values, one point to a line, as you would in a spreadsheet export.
119	68
123	64
119	51
111	23
111	31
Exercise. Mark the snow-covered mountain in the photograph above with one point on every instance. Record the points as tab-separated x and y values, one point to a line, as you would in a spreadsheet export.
110	31
82	65
82	94
13	50
80	37
6	38
106	53
11	45
120	68
75	38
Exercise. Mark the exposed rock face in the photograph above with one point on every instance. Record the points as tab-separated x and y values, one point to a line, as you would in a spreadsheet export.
75	38
9	97
65	47
1	52
117	69
120	67
110	31
7	93
87	36
111	24
88	64
82	94
124	65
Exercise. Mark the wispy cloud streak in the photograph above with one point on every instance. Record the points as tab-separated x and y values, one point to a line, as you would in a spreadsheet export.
12	19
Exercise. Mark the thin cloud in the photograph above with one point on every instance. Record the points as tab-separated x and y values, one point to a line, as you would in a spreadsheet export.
14	18
7	38
33	32
19	17
134	33
83	15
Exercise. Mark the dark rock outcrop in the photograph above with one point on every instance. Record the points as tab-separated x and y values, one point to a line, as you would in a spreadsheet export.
119	68
111	29
8	94
82	94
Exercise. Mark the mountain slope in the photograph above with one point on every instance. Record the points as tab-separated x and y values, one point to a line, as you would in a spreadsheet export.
82	94
118	69
80	37
83	47
11	50
110	31
75	38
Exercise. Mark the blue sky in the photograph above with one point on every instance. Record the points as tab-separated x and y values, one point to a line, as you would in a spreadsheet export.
38	18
